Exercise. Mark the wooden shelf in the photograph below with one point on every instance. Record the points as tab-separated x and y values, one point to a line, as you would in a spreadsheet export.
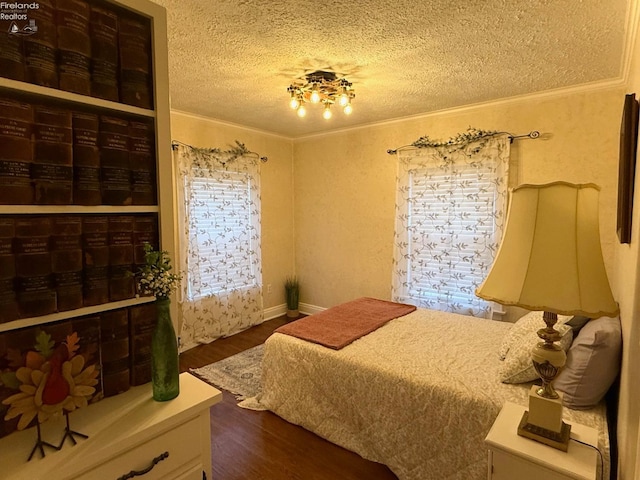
75	209
57	96
80	312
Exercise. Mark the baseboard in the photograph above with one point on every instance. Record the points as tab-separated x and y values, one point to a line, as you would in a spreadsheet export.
274	312
279	310
310	309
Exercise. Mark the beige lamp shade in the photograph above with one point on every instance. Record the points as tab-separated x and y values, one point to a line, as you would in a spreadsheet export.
550	256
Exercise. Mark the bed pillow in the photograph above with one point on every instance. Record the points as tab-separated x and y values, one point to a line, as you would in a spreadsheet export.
517	366
576	323
529	322
593	363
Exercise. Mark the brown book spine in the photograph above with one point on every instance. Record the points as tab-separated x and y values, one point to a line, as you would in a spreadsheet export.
142	321
88	332
95	241
143	164
52	168
121	278
114	351
114	161
103	30
134	40
66	261
95	286
74	46
12	57
86	160
32	246
8	301
40	49
34	283
16	154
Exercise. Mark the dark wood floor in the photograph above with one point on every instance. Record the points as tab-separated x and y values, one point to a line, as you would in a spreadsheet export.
248	445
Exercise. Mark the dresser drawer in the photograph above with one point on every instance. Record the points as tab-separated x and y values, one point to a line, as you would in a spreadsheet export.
174	453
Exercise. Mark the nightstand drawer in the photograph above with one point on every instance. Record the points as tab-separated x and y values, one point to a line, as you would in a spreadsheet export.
509	467
166	456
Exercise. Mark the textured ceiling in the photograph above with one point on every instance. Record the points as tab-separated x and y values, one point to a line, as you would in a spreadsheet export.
234	59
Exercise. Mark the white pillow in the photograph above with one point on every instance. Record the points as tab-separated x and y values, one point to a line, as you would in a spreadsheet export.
517	366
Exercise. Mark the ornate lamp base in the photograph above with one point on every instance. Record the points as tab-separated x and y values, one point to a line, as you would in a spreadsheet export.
559	440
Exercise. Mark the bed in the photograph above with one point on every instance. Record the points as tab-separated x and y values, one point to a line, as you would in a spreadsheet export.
418	394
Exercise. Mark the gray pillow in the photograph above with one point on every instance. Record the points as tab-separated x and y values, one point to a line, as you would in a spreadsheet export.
593	363
576	323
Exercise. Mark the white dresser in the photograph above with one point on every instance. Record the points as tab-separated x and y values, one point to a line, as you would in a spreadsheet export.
127	433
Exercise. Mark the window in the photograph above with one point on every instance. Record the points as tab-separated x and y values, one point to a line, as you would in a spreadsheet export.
222	234
450	208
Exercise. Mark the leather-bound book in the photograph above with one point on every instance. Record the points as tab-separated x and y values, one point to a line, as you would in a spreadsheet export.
121	239
16	154
145	230
12	57
143	163
52	168
95	241
134	41
36	295
121	278
103	30
7	259
86	160
9	309
40	49
114	351
114	161
74	46
34	282
32	246
8	301
87	331
66	261
95	251
95	286
142	321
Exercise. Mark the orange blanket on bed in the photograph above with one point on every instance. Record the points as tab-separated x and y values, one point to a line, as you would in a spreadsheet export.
338	326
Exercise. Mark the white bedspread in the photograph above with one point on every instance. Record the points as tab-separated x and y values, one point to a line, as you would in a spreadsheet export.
418	395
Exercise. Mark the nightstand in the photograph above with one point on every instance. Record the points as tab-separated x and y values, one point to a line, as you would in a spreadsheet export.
512	456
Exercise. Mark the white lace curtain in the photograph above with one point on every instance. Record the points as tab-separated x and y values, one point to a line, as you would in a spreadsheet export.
450	210
219	243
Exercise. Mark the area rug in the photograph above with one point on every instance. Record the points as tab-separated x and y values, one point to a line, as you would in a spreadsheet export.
238	374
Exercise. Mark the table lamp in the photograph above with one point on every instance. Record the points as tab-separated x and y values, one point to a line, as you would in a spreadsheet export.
550	260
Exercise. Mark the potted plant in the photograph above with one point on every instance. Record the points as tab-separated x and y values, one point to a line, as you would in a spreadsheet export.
292	291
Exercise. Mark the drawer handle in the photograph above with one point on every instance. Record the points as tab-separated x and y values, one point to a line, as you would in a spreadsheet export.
139	473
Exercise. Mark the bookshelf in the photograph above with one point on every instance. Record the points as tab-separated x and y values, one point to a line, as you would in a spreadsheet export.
152	52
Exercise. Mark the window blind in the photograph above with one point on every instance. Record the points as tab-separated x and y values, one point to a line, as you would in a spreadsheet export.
450	212
221	226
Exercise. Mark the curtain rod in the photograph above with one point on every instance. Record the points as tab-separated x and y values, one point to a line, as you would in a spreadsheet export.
175	143
532	134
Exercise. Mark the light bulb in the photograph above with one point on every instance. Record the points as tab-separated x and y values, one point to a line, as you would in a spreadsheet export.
327	112
344	98
294	103
302	111
348	109
315	96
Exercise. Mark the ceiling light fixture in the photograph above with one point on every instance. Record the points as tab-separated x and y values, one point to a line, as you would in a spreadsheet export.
324	88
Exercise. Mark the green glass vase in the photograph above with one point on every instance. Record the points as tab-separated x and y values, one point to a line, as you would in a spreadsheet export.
165	367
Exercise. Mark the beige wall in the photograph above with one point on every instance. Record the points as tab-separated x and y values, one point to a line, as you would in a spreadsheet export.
345	182
276	187
627	285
